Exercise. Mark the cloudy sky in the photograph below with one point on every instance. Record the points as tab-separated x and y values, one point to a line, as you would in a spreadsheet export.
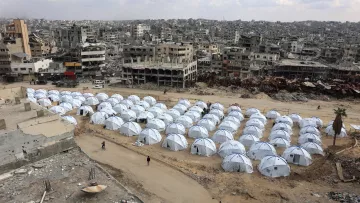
272	10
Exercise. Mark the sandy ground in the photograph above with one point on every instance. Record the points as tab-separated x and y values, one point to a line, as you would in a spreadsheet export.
303	182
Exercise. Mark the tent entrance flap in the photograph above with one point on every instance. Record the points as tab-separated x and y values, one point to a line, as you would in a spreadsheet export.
296	159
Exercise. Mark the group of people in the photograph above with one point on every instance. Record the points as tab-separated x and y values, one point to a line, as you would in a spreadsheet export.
206	110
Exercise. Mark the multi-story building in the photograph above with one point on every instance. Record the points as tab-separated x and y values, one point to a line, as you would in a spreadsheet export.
10	50
92	54
332	54
251	43
207	47
28	67
18	29
294	69
183	52
135	52
236	62
40	48
266	59
139	30
70	37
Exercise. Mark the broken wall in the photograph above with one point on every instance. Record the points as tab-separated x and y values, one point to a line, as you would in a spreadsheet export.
11	93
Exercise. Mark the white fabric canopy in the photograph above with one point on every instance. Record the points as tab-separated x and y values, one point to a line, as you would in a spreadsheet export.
308	137
234	108
313	148
203	147
128	115
310	129
253	130
197	109
144	104
232	119
91	101
113	101
175	142
229	126
260	117
113	123
98	118
144	116
70	119
282	126
134	98
137	109
156	124
173	113
150	100
130	129
67	106
280	142
272	114
175	128
194	115
284	119
251	111
259	150
161	106
201	104
128	103
296	118
156	111
217	106
237	114
255	122
118	97
149	136
297	155
66	98
185	120
87	94
330	131
237	163
213	118
280	134
84	110
184	102
274	166
217	112
180	108
231	147
54	97
120	108
103	105
44	102
198	132
57	110
248	140
166	118
102	97
221	136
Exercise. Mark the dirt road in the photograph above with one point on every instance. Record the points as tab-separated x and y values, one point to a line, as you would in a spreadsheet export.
165	182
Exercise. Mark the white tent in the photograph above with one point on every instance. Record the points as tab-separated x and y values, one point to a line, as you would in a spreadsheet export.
217	106
185	120
234	108
280	142
221	136
307	122
134	98
120	108
108	111
66	98
184	102
76	103
318	121
161	106
231	147
30	91
149	136
330	131
137	109
113	123
113	101
54	97
207	123
67	106
30	95
150	100
282	126
279	134
40	96
173	113
232	119
332	121
272	114
310	129
103	105
84	111
31	99
229	126
57	110
74	94
42	91
251	111
253	130
201	104
128	103
44	102
175	142
274	166
197	109
128	115
237	163
308	137
65	93
102	97
87	94
297	155
194	115
284	119
217	113
259	150
213	118
91	101
156	124
296	118
156	111
255	122
237	114
117	96
313	148
180	108
98	118
260	117
70	119
144	104
203	147
130	129
144	116
248	139
166	118
175	128
197	131
81	98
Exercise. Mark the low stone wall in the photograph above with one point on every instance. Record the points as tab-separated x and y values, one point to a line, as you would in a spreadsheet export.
11	93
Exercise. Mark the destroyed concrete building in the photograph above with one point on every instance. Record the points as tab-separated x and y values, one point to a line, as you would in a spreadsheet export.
296	69
40	48
131	51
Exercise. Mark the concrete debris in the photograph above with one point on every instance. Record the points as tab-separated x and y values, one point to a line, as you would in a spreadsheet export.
38	165
344	197
20	171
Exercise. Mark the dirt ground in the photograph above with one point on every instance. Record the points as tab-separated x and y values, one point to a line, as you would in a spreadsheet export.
305	184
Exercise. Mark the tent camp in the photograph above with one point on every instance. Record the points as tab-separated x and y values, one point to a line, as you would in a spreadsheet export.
54	92
203	147
102	97
137	109
282	126
237	163
144	116
65	93
120	108
74	94
185	102
259	150
309	137
310	129
144	104
248	139
201	104
44	102
221	136
175	128
307	122
231	147
197	109
313	148
260	117
274	166
91	101
40	96
98	118
197	131
30	91
117	96
284	119
128	115
213	118
113	123
76	103
127	102
70	119
31	99
150	100
84	111
104	105
113	101
232	119
237	114
134	98
194	115
318	121
279	134
156	123
41	91
272	114
166	118
180	108
330	131
297	155
229	126
54	97
280	142
255	122
185	120
175	142
234	108
253	130
86	95
67	106
130	129
173	113
251	111
66	98
156	111
207	123
217	106
217	113
149	136
161	106
296	118
57	110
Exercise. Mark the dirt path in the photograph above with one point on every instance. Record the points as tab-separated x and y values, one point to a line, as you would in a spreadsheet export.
165	182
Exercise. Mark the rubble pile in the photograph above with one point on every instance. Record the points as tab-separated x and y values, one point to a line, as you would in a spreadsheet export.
351	166
344	197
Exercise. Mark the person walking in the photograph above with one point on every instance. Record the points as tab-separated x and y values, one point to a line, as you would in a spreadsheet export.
103	145
148	160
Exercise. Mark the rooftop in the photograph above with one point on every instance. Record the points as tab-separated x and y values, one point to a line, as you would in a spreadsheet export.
156	65
288	62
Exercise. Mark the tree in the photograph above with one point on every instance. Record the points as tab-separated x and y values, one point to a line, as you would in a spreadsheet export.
338	123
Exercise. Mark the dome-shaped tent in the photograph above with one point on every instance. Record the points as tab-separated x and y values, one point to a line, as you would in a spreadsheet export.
308	137
260	117
134	98
248	139
232	119
166	118
120	108
203	147
98	118
173	113
65	93
297	155
201	104
156	124
42	91
44	102
175	142
76	103
144	104
185	120
102	97
128	115
237	163
251	111
217	106
259	150
310	129
217	113
213	118
280	134
234	108
81	98
40	96
231	147
207	123
57	110
130	129
282	126
144	116
117	97
307	122
66	98
70	119
284	119
180	108
108	111
161	106
30	91
313	148
149	136
112	101
229	126
184	102
113	123
237	115
54	97
137	109
255	122
280	142
128	103
274	166
318	121
253	130
31	99
103	105
296	118
330	131
150	100
332	121
272	114
197	131
91	101
194	115
175	128
87	94
67	106
196	109
30	95
156	111
221	136
85	110
74	94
